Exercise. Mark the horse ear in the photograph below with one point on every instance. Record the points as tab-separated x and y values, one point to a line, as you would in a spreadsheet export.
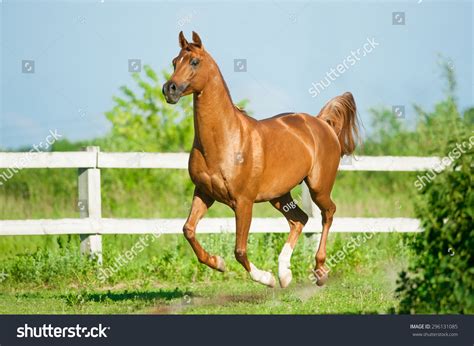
182	40
197	39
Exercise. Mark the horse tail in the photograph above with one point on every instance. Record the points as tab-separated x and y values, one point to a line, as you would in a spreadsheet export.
341	114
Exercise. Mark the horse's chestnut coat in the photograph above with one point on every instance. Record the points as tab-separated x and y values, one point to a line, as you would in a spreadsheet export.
238	160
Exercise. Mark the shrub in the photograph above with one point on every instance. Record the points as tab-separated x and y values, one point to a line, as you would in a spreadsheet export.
440	278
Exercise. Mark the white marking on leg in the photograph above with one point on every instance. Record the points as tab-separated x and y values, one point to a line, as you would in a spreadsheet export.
284	272
261	276
220	264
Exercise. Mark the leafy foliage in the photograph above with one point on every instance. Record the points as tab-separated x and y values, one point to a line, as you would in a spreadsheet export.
441	276
145	122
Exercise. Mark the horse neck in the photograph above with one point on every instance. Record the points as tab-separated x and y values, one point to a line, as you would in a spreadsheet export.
216	119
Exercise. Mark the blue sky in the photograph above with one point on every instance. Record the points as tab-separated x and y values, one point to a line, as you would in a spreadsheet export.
81	51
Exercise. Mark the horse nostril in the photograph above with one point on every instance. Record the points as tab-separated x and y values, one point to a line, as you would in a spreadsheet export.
172	87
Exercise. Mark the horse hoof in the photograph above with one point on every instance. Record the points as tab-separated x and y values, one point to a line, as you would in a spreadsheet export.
271	282
261	276
220	264
322	280
285	279
266	279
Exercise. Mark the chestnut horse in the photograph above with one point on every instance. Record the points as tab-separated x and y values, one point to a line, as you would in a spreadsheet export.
238	160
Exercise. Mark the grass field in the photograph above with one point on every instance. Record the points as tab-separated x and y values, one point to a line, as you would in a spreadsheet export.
45	274
166	278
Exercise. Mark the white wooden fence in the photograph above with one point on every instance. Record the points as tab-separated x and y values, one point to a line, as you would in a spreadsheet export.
91	224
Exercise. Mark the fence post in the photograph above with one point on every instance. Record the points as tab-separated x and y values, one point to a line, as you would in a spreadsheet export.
309	207
90	206
312	210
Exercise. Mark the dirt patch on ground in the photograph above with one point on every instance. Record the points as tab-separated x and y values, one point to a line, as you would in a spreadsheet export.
301	291
190	302
307	291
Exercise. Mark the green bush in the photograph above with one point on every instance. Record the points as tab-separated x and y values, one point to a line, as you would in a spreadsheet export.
440	279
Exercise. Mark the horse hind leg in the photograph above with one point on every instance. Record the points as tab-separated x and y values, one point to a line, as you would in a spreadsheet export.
320	192
296	218
328	208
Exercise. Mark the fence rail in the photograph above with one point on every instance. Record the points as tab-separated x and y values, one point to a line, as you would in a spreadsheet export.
97	159
91	225
206	225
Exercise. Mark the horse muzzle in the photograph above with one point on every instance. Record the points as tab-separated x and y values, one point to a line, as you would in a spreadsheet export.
173	91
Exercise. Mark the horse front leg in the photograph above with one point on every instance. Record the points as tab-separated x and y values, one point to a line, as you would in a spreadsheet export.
201	203
243	216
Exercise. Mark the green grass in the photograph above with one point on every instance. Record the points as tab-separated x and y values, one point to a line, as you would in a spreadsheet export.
166	278
343	295
45	274
52	193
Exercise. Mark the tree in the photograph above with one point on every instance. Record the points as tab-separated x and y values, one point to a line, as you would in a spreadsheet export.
145	122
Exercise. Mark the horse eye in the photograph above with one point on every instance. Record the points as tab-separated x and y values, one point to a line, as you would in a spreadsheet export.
194	62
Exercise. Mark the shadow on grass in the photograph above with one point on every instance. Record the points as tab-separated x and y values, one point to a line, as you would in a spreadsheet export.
109	296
